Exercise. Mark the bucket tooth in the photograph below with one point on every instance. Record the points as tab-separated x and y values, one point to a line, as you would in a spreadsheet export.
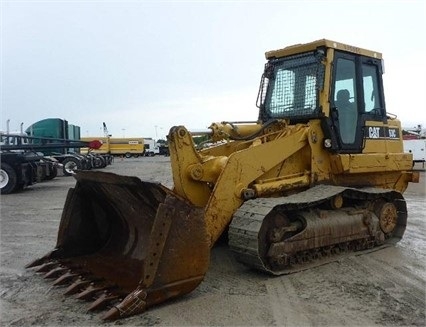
47	266
77	286
55	272
40	261
35	263
91	290
112	314
84	279
133	303
103	301
65	278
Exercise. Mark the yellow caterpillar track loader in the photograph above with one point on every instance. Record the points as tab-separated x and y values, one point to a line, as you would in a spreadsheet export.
321	173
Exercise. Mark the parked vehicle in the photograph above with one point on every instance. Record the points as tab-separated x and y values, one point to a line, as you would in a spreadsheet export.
151	147
22	167
23	160
417	147
127	147
68	144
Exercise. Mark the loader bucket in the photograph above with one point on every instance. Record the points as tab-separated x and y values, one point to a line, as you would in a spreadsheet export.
126	244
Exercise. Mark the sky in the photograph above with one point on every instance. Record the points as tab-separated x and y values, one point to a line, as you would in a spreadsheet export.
145	66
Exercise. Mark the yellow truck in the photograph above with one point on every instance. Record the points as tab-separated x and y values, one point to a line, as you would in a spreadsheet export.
128	147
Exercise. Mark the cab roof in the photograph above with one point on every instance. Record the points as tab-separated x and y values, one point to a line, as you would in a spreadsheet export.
306	47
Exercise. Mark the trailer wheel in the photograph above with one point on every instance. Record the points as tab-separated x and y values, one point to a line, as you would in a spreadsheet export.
8	179
128	155
70	165
100	162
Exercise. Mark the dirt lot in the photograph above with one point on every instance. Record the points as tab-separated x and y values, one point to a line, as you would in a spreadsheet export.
382	288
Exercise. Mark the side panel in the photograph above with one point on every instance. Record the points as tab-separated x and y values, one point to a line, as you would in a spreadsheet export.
383	138
126	145
117	146
104	149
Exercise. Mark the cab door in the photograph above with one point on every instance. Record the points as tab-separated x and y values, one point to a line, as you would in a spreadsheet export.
357	96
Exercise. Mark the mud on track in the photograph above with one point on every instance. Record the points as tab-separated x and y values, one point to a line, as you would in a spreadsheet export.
382	288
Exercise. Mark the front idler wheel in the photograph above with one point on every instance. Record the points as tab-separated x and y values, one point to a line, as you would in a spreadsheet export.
388	217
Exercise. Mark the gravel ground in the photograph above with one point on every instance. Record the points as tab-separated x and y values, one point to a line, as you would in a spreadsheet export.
382	288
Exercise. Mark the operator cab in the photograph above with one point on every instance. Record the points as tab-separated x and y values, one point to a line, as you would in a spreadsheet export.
294	87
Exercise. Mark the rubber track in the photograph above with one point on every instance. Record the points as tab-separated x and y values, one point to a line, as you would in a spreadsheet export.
247	221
